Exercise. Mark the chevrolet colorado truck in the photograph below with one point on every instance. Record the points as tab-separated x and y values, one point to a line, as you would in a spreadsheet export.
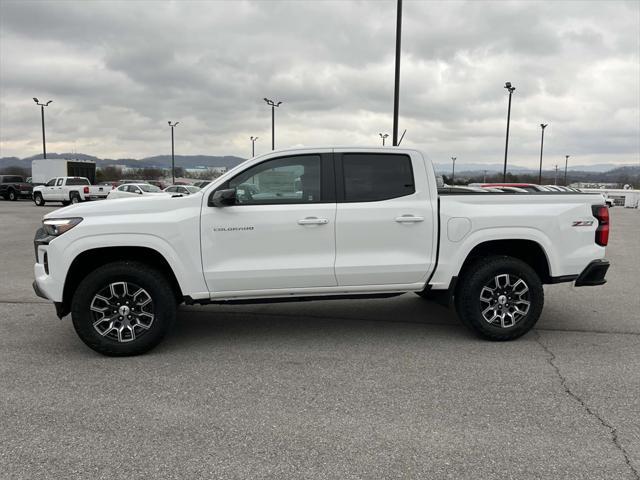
316	224
68	190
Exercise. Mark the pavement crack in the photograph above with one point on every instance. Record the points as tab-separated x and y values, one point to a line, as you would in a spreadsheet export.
612	430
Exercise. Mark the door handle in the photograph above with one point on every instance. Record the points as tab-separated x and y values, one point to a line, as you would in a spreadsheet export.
313	221
409	219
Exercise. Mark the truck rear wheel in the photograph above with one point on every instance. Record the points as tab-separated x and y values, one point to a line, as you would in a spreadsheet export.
499	297
123	308
38	200
74	198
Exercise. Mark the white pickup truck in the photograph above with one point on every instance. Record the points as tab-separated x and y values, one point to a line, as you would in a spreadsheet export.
316	224
68	190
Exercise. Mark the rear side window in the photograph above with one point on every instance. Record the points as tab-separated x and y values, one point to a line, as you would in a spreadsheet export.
60	180
77	181
374	177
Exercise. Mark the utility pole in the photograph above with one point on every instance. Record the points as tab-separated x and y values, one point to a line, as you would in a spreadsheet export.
566	163
484	180
253	145
44	143
510	89
542	126
396	90
383	136
555	182
173	161
273	106
453	171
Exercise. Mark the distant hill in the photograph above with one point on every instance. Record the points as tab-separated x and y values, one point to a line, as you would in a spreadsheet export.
158	161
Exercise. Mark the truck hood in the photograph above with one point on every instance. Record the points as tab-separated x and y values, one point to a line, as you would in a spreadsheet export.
125	206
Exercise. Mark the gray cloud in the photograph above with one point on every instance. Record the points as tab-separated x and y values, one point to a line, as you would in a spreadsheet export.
117	71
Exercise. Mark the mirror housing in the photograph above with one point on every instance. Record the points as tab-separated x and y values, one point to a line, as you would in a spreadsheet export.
223	198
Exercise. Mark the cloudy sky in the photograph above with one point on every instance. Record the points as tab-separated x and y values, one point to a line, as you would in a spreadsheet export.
118	71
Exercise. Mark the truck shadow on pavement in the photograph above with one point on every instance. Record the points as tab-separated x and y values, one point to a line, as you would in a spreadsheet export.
350	320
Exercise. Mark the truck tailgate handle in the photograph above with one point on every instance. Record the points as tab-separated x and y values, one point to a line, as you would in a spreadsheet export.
313	221
409	219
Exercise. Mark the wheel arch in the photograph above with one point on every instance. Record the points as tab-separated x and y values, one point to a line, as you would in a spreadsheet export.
529	251
93	258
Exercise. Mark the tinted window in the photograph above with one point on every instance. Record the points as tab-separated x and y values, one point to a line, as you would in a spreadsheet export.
282	180
77	181
371	177
9	179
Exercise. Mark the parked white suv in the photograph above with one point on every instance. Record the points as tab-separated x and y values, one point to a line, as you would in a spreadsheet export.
316	224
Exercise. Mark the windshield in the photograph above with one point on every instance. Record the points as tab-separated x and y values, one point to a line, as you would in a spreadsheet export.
149	188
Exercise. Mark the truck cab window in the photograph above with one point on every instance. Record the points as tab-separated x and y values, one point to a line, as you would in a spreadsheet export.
59	182
281	180
374	177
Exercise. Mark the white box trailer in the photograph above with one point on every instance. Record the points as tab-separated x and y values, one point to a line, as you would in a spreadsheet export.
44	170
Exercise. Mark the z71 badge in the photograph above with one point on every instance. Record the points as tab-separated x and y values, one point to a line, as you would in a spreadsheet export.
582	223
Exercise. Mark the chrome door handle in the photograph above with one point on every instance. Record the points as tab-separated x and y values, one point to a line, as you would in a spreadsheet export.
409	219
313	221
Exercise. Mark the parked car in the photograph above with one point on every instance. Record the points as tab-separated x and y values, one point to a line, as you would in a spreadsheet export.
68	190
182	189
328	223
13	187
134	190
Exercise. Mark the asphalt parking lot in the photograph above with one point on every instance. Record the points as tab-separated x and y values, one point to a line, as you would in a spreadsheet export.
392	388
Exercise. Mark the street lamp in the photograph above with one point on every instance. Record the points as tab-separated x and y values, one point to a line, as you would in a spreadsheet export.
484	180
510	89
42	105
396	89
173	161
566	163
542	126
253	145
555	181
383	136
453	171
273	106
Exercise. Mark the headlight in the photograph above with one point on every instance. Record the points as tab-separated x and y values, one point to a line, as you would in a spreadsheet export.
58	226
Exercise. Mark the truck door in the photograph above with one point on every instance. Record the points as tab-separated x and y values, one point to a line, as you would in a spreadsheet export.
279	234
386	221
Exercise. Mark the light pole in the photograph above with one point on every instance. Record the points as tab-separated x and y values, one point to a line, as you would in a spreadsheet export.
453	170
555	181
173	162
484	180
508	86
566	164
542	126
383	136
42	105
396	90
273	106
253	145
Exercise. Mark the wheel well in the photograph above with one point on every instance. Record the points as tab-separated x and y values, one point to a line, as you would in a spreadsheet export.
528	251
89	260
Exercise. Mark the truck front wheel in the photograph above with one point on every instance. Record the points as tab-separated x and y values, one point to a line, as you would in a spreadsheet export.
123	308
38	200
499	297
13	196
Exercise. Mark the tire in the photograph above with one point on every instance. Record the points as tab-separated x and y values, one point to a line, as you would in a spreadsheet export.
38	200
74	198
499	297
153	312
13	196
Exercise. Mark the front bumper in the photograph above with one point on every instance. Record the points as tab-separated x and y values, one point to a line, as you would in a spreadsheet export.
593	274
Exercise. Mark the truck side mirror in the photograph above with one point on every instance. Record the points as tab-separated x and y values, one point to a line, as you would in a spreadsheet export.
223	198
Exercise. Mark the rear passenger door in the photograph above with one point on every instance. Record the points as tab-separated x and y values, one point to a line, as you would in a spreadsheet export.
385	220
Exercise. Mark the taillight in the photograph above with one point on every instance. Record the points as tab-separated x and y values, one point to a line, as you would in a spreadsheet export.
86	190
601	212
